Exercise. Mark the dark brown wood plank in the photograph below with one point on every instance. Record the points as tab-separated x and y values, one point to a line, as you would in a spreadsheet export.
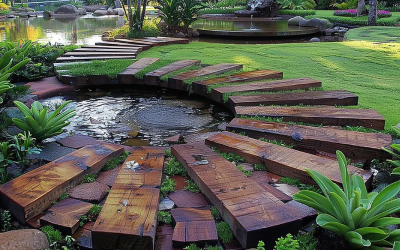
217	94
190	214
90	58
172	40
368	118
177	82
106	50
353	144
201	233
64	216
250	211
137	42
128	219
262	178
104	43
153	78
281	160
109	47
201	87
76	81
32	193
93	54
128	75
330	98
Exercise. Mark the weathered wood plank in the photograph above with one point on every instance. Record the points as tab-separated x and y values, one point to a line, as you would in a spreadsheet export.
91	58
217	94
330	98
368	118
76	81
172	40
177	82
109	47
281	160
104	43
106	50
250	211
128	75
190	214
30	194
201	87
98	54
136	42
153	78
64	216
200	232
353	144
128	219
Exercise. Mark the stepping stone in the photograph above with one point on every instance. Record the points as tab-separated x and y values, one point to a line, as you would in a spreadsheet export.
287	189
99	54
175	139
200	232
35	221
153	78
262	178
49	87
30	194
90	192
180	182
166	204
27	239
108	177
191	214
331	98
183	198
198	137
201	87
91	58
178	82
164	237
368	118
64	216
83	236
128	219
51	151
128	75
353	144
250	211
283	161
75	81
77	141
217	94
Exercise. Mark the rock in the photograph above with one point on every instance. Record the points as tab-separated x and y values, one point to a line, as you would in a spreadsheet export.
247	13
100	13
47	14
180	35
119	36
94	191
111	11
118	4
166	204
185	198
10	16
295	20
287	189
27	239
329	32
108	177
398	125
267	8
120	11
31	14
195	33
81	11
23	15
314	40
66	9
51	151
315	22
93	8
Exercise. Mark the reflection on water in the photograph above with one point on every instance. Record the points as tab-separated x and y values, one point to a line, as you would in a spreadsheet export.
83	30
214	24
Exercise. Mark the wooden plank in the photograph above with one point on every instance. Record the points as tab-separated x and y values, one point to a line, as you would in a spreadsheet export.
175	40
330	98
177	82
201	233
250	211
353	144
105	50
128	75
108	47
145	45
153	78
93	54
367	118
217	94
104	43
65	215
87	58
281	160
76	81
128	219
190	214
28	195
201	87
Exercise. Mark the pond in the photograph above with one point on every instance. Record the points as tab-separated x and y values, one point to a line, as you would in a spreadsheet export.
83	30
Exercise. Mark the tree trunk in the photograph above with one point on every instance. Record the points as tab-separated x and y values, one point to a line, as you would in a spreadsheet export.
361	9
372	13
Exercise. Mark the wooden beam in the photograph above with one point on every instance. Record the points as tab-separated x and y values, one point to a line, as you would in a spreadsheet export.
91	58
128	75
98	54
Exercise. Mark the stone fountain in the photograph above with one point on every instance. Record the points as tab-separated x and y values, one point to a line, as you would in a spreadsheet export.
259	8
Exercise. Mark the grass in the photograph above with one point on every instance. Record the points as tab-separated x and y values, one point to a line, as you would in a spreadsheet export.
369	69
328	14
156	65
115	161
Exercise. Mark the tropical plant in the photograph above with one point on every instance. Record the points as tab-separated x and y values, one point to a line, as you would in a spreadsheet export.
189	10
24	145
348	4
41	122
287	243
169	12
297	4
396	148
351	212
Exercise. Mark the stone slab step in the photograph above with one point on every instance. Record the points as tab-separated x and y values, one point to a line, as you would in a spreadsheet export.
250	211
153	78
368	118
49	87
90	192
64	216
30	194
217	94
177	82
128	75
330	98
128	219
91	58
353	144
201	87
98	54
281	160
187	199
201	233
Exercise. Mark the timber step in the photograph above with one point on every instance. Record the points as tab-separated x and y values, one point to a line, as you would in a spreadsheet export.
353	144
108	47
217	94
128	45
331	98
177	82
367	118
250	211
128	219
93	54
91	58
30	194
283	161
128	75
105	50
147	44
153	78
201	87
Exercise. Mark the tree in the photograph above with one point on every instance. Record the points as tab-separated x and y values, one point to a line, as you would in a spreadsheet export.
361	9
372	13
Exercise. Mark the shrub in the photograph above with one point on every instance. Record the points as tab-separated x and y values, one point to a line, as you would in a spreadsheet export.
164	217
287	243
297	4
224	232
3	7
302	13
149	28
353	13
167	186
173	167
396	153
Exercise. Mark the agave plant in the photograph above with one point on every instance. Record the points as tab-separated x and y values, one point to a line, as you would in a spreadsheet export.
41	122
351	212
396	153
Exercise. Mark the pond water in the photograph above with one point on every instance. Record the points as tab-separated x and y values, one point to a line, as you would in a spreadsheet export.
83	30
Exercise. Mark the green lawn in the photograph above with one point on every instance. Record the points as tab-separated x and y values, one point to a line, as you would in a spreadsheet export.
370	69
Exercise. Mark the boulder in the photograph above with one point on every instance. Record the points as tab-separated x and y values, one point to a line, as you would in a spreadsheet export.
247	13
100	13
81	11
66	9
27	239
296	20
93	8
263	8
111	11
180	35
120	11
314	40
315	22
